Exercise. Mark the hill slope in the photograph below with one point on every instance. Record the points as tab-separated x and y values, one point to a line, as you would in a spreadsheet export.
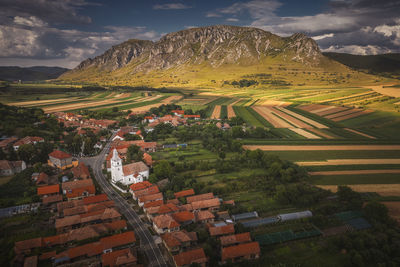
215	56
30	73
385	64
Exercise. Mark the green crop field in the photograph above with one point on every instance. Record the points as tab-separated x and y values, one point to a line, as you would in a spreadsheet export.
384	178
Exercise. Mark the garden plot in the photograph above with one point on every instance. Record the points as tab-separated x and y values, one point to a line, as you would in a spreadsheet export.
321	133
345	97
41	102
231	112
353	115
216	112
301	117
330	110
267	114
335	162
342	113
360	133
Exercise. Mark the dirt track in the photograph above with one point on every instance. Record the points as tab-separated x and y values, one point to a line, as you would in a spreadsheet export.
385	91
321	148
216	112
353	172
381	189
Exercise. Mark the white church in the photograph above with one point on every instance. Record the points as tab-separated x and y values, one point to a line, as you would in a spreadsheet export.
127	174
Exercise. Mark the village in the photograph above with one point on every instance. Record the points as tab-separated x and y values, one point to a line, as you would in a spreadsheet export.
190	223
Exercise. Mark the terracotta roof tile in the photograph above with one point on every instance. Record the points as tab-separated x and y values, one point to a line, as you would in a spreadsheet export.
76	184
204	215
167	208
49	189
165	221
47	255
147	191
52	199
204	204
191	256
184	193
60	154
183	216
199	197
95	199
28	244
118	258
140	186
118	240
222	230
240	250
152	197
135	167
151	204
174	239
235	239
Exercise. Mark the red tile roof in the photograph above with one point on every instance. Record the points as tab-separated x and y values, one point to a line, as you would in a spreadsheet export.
173	201
95	199
147	159
118	240
81	171
147	191
184	193
135	167
52	199
183	216
235	239
175	239
205	204
156	203
152	197
140	186
199	197
60	154
178	111
191	256
76	184
165	221
49	189
118	257
204	215
240	250
20	246
222	230
47	255
191	116
167	208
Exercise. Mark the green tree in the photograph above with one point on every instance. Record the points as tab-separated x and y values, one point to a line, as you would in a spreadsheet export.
134	154
163	170
26	153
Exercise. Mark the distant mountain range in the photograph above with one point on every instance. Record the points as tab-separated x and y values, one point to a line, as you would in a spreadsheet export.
30	73
216	56
384	64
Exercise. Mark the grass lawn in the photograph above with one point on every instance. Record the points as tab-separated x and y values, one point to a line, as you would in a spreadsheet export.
5	179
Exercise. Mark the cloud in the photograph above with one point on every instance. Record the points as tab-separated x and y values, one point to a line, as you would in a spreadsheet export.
359	26
50	11
30	39
320	37
171	6
232	19
357	49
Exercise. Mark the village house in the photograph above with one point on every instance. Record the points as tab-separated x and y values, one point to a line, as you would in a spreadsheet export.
28	140
204	216
196	117
48	190
128	174
178	112
199	197
8	168
183	217
162	209
248	251
208	204
6	142
139	186
184	193
81	171
149	198
42	179
185	259
231	240
147	191
179	240
61	160
165	224
122	257
222	230
78	189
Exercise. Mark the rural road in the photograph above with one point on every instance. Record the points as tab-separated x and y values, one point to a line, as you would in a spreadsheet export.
147	244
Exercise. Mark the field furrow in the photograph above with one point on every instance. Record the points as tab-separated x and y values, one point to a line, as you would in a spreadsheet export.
339	114
216	112
360	133
267	114
320	133
321	147
353	172
304	133
303	118
352	115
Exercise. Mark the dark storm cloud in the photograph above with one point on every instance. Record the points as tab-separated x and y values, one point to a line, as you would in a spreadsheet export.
52	11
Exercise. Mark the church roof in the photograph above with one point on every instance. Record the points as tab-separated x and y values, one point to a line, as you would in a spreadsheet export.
135	167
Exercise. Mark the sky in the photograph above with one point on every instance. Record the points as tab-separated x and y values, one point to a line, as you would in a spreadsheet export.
65	32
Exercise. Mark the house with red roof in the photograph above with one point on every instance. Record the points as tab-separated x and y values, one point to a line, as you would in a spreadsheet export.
199	197
6	142
184	193
122	257
204	216
248	251
78	189
208	204
42	179
132	173
48	190
139	186
183	217
196	117
147	191
165	224
28	140
178	112
179	240
222	230
231	240
149	198
81	171
61	160
189	257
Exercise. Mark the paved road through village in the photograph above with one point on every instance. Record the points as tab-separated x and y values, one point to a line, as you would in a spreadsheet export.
147	243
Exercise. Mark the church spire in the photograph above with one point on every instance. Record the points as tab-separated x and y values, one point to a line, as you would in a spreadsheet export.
115	156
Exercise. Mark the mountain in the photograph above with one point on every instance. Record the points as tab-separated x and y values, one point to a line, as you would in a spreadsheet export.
214	55
30	73
385	64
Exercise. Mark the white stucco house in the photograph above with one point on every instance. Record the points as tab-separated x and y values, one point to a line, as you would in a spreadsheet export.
127	174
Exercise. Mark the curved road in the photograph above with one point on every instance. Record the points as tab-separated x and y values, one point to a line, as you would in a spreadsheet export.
147	244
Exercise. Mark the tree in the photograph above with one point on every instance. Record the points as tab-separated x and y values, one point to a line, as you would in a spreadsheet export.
163	170
134	154
26	153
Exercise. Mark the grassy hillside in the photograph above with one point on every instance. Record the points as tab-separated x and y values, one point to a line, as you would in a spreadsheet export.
385	64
